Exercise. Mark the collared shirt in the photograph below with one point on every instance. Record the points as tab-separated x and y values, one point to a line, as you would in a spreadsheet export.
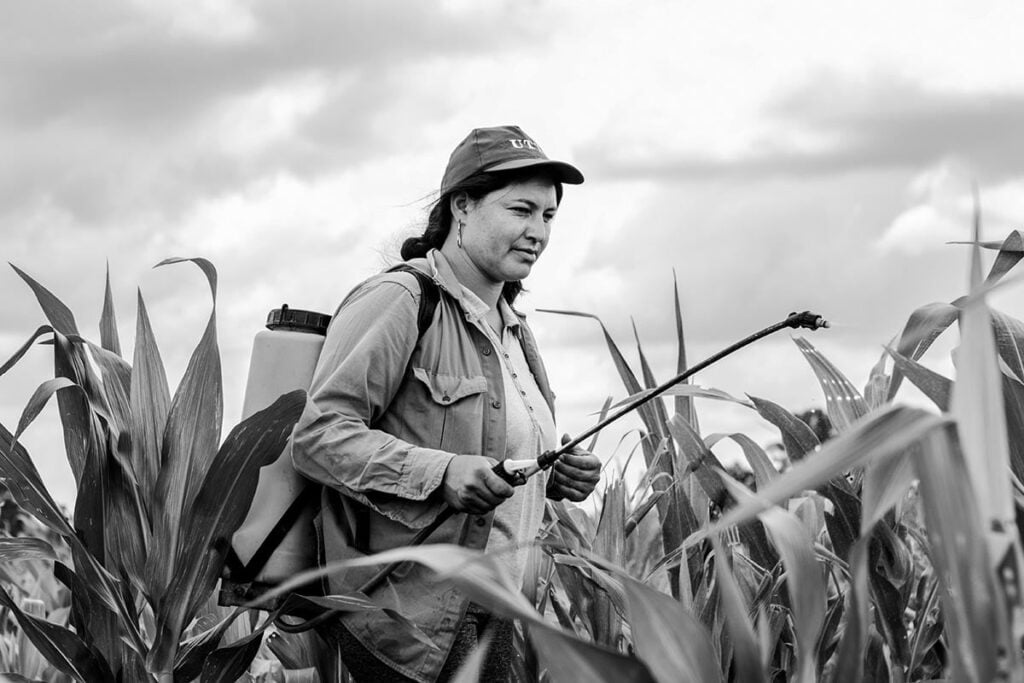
529	431
388	412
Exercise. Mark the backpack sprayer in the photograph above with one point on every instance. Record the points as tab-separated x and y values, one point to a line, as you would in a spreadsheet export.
276	540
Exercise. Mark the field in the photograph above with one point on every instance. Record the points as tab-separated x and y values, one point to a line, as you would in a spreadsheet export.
887	549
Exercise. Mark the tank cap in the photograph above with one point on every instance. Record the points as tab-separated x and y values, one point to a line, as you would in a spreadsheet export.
298	320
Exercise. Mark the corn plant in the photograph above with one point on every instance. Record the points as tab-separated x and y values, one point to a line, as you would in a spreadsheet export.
33	586
888	553
159	496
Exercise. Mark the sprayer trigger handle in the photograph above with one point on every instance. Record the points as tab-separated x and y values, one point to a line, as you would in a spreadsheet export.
515	472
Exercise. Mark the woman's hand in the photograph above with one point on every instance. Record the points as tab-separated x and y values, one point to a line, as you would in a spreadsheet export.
469	485
574	475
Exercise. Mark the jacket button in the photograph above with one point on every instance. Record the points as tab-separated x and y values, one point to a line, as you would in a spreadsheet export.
446	398
495	404
486	350
480	521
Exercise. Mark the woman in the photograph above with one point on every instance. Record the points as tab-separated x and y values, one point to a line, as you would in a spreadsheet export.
402	422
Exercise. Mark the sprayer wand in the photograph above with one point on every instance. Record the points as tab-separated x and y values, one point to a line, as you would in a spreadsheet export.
516	472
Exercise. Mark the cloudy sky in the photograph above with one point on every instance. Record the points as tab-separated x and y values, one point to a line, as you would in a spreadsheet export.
774	156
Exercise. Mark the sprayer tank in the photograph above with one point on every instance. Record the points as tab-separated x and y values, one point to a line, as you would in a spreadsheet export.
283	359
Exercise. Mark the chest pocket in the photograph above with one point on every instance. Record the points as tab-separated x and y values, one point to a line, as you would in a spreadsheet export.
457	406
448	389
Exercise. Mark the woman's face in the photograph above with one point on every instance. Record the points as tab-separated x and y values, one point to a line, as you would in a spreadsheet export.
507	230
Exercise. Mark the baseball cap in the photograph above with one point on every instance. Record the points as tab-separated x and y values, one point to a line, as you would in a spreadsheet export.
501	148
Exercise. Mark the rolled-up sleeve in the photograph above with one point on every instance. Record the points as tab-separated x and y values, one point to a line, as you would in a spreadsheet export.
361	367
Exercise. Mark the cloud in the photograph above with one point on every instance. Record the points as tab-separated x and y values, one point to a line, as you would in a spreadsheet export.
134	108
833	124
921	228
941	210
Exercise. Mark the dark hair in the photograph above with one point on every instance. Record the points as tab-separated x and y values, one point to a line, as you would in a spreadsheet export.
439	220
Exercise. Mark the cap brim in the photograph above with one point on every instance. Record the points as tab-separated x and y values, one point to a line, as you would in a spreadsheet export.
566	173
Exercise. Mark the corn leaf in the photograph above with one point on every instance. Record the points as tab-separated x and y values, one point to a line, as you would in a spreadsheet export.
25	548
482	578
805	580
26	486
602	414
640	512
88	541
75	414
150	401
124	521
95	591
108	321
39	399
217	511
972	610
1011	251
231	662
843	402
891	567
91	524
1009	336
880	436
293	650
605	600
979	409
629	380
61	647
705	466
193	652
700	460
746	654
797	437
876	392
59	315
667	638
886	482
9	677
932	384
684	405
609	541
190	441
922	329
671	520
566	658
73	411
850	657
690	390
575	661
645	367
1013	397
760	464
13	360
843	521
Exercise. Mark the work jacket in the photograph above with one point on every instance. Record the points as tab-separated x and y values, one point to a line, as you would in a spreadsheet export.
388	412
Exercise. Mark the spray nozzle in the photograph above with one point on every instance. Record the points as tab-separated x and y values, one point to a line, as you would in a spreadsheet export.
806	320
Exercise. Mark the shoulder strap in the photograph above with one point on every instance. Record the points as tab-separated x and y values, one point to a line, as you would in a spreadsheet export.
430	294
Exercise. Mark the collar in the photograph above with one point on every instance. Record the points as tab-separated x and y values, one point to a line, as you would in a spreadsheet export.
473	305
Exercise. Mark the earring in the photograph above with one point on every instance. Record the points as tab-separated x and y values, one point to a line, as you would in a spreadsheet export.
458	237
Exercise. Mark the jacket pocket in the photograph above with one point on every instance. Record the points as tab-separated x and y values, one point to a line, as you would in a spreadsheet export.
447	389
455	403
